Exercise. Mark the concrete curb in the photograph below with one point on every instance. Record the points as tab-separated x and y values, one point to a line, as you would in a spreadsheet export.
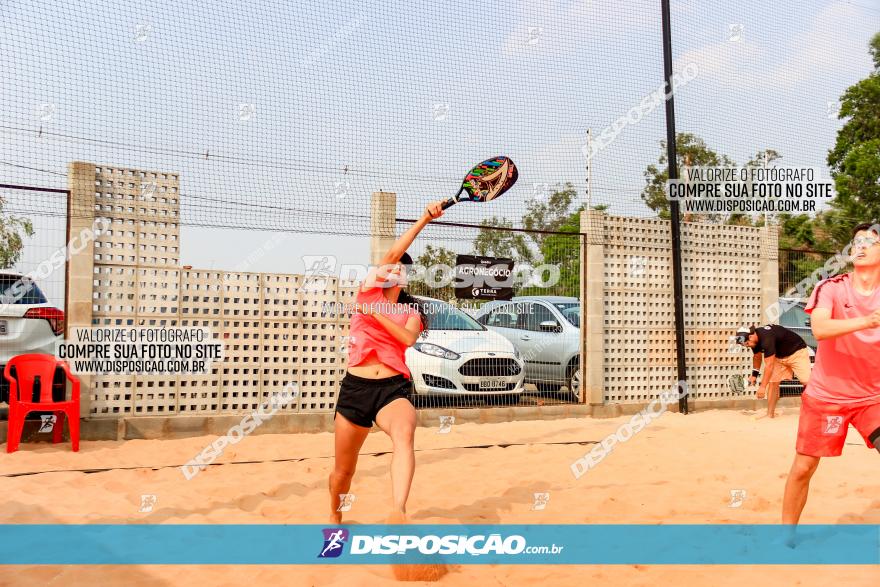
162	427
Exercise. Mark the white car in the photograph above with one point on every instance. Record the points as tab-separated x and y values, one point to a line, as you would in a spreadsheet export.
28	323
460	356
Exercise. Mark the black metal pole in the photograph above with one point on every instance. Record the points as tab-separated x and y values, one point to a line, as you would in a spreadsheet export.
678	290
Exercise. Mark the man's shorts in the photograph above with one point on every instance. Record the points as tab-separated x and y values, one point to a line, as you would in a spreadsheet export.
823	426
797	363
360	399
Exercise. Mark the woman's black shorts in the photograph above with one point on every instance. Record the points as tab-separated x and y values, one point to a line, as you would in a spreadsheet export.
360	399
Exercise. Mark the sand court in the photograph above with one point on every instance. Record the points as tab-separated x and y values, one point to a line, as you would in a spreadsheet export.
709	467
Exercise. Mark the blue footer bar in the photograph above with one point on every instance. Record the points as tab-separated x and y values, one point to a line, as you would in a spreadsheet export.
724	544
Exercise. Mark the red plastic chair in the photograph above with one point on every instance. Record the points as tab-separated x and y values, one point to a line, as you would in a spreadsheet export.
27	369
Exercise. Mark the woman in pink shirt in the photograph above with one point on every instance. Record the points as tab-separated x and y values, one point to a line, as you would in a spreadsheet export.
387	321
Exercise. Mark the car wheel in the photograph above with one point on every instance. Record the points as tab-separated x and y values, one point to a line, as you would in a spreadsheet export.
574	385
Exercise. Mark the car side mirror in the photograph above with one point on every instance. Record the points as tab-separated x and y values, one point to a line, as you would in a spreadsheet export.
550	326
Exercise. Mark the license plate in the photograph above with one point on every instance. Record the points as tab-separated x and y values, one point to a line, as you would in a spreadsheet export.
4	327
493	384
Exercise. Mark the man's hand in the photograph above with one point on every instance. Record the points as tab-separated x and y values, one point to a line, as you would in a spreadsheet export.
752	380
873	319
762	391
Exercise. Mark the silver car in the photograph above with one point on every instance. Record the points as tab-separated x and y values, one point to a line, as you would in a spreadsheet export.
796	319
546	331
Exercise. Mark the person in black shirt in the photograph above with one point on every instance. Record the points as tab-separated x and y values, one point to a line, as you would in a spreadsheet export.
783	353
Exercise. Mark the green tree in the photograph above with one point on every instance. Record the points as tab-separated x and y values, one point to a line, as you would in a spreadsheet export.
564	252
433	256
855	158
691	151
764	158
12	232
509	244
549	215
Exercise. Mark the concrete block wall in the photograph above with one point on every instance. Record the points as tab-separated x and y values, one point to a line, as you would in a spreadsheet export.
275	330
728	274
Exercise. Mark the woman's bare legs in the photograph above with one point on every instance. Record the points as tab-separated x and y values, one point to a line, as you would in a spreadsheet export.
348	440
398	420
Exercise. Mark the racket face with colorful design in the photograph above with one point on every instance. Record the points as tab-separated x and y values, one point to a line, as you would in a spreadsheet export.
486	181
737	383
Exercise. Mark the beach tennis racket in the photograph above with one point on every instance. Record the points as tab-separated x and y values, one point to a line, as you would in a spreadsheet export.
486	181
737	383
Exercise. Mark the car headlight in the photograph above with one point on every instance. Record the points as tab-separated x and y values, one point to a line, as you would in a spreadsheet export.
435	350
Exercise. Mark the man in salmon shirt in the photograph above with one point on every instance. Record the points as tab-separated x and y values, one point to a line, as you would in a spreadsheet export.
845	385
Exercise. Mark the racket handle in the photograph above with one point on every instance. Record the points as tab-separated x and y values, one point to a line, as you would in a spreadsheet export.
448	203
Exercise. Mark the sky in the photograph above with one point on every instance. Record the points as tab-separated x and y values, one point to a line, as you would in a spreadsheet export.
285	116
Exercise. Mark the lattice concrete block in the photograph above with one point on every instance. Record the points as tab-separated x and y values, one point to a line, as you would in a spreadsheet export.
155	395
319	365
112	395
198	394
276	380
241	296
158	293
114	294
280	296
627	383
240	389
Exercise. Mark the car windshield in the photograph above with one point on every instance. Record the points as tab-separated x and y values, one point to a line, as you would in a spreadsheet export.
571	311
442	316
15	289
